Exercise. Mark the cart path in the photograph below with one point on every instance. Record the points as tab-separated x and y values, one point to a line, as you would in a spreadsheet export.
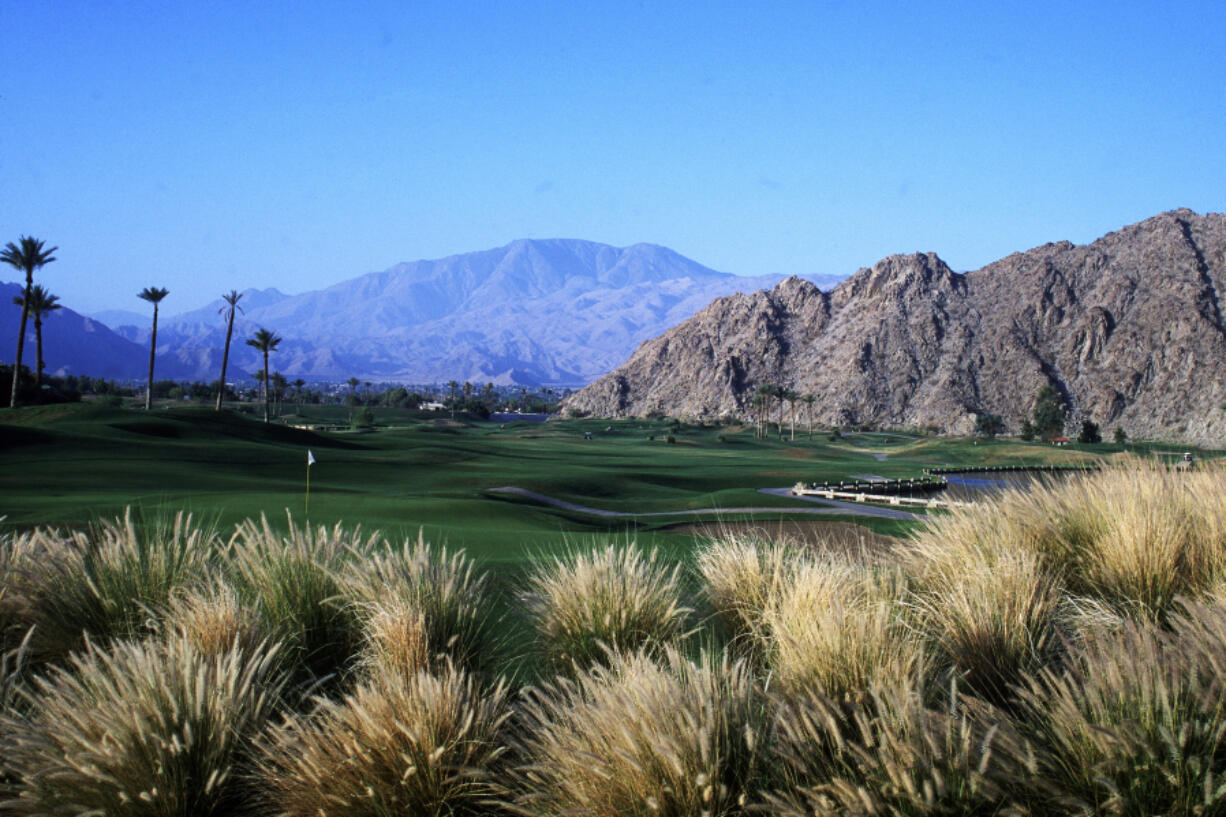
825	506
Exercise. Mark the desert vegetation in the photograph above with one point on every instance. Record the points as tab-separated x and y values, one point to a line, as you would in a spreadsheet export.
1055	652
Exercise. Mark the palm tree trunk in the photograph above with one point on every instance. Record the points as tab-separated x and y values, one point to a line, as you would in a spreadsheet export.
21	339
153	347
38	358
266	395
225	358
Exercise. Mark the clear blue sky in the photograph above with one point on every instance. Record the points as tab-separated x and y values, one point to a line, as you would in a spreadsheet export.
209	146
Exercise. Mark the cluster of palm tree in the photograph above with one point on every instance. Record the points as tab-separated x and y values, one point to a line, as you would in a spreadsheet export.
28	255
264	340
762	400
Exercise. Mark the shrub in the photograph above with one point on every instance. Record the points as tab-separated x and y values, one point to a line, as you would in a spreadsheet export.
643	736
295	580
443	589
989	425
105	581
141	728
401	743
1089	433
619	598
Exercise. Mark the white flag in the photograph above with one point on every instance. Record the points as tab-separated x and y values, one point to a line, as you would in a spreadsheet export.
310	458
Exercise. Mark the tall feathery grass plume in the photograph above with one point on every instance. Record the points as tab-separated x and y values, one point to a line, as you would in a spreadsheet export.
587	602
994	611
148	727
396	638
444	590
104	582
643	735
840	627
294	576
743	578
1133	536
891	753
213	617
424	743
1136	724
17	550
13	707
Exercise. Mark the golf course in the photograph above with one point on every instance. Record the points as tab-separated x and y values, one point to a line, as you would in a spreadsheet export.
470	484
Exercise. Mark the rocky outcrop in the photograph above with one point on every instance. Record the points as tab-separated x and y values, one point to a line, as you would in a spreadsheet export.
1129	329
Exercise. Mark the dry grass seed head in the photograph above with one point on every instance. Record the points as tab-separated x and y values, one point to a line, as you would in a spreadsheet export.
617	598
839	628
141	728
444	588
993	610
294	577
889	754
643	735
1137	723
743	577
214	618
399	743
395	637
106	581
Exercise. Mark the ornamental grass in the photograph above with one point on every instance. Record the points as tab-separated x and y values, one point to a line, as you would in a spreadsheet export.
643	735
425	743
149	727
585	603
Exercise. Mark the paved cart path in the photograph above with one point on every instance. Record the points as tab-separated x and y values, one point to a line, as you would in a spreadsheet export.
824	506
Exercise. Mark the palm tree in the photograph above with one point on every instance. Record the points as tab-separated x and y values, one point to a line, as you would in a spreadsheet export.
279	384
452	385
809	400
298	384
27	258
791	396
231	298
153	295
41	302
765	391
266	342
777	391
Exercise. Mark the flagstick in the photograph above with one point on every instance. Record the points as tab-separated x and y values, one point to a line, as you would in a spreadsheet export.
308	493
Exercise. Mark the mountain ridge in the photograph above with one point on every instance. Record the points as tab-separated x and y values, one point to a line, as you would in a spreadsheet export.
1128	328
535	311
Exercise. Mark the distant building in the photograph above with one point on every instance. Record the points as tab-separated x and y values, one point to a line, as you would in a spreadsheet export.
1059	440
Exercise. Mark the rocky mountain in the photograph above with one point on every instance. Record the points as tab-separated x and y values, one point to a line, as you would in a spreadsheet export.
532	312
1129	329
72	343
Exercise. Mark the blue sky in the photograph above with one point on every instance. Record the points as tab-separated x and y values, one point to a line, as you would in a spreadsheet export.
210	146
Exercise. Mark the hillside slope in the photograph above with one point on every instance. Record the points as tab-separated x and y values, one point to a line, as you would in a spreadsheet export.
1128	328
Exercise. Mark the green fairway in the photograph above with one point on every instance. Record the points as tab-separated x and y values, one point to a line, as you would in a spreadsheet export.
65	465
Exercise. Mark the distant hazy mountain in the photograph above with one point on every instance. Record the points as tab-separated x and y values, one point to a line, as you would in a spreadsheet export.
551	311
116	318
72	343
